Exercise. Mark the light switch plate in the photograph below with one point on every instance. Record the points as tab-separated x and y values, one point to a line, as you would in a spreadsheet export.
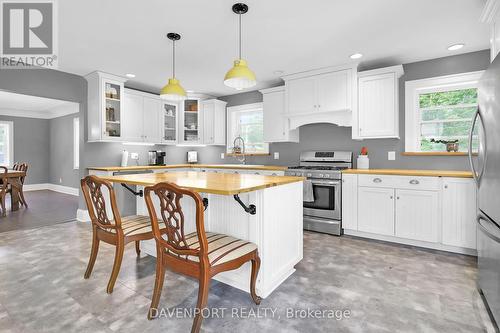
391	155
134	156
276	155
221	156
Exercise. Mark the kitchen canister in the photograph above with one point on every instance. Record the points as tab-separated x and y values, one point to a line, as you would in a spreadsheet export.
363	162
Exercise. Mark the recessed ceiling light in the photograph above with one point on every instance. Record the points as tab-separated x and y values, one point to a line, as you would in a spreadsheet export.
355	56
130	75
455	47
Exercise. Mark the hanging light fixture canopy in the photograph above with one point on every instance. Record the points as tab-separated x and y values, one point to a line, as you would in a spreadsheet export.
173	90
240	76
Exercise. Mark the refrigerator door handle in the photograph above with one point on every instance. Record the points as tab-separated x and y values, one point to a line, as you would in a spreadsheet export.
477	176
486	231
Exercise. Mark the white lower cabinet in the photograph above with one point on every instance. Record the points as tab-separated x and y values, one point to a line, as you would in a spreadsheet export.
459	212
376	210
417	215
433	212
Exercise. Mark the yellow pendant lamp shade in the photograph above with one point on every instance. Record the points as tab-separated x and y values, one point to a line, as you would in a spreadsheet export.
173	90
240	76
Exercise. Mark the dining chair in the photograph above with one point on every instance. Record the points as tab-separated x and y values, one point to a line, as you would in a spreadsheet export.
199	254
20	185
4	188
117	231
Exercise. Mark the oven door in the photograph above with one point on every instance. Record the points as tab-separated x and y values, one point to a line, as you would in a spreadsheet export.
327	199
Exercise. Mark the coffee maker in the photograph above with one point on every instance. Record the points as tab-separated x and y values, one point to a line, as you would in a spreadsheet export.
156	157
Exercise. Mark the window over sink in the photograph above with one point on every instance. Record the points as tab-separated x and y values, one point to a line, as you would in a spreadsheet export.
247	121
441	109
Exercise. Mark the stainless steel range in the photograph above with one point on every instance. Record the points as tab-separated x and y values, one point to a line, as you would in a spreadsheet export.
323	212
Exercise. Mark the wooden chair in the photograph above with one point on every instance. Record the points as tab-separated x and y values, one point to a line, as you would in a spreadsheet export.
200	255
4	188
21	167
118	231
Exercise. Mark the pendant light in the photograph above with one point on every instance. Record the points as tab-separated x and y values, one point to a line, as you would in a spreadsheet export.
240	76
173	91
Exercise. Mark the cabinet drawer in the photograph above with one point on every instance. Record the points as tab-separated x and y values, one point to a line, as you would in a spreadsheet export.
418	183
378	181
403	182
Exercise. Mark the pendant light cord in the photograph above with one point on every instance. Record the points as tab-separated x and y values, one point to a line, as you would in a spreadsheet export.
173	60
240	37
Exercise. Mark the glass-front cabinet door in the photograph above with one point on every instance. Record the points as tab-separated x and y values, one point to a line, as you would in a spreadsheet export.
191	126
169	122
113	94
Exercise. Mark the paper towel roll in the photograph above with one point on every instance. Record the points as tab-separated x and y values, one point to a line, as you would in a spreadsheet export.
124	158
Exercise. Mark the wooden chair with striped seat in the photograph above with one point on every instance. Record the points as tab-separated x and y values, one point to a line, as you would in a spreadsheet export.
199	254
20	185
118	231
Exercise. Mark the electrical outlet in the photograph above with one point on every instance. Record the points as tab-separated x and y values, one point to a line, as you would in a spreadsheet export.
221	156
60	180
134	156
276	155
391	155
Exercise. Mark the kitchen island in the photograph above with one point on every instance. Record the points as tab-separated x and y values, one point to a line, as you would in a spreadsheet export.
274	222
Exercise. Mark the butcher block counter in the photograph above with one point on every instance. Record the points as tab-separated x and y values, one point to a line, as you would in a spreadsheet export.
190	166
260	208
407	172
206	182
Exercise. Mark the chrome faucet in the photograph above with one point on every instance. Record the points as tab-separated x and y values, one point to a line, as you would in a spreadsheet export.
239	149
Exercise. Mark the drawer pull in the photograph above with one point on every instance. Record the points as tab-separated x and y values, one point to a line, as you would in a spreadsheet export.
414	182
377	180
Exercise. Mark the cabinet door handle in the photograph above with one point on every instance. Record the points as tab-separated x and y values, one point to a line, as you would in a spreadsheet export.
446	186
392	197
377	180
397	198
414	182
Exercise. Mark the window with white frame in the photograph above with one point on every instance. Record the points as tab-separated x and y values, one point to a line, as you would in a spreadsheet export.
76	143
6	143
247	121
440	109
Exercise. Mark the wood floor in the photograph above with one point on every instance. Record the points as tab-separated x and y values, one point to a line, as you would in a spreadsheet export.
386	288
45	208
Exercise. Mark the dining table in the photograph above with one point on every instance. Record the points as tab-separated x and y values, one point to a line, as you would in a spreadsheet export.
13	178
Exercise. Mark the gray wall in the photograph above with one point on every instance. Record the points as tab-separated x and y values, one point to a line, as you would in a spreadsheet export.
61	169
332	137
31	145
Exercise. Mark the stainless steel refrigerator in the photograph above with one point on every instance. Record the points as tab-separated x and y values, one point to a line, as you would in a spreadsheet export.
486	170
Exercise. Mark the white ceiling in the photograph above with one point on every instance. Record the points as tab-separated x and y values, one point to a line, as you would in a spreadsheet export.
18	105
125	36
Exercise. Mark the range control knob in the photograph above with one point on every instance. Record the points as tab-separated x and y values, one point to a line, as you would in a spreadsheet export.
309	175
327	175
320	175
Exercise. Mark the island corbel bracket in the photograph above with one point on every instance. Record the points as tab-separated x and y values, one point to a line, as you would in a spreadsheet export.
251	209
140	193
205	203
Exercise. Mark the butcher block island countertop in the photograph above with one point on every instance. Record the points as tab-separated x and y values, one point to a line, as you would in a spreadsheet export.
194	166
407	172
207	182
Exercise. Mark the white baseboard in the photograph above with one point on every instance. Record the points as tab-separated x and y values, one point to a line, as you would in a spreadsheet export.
52	187
82	215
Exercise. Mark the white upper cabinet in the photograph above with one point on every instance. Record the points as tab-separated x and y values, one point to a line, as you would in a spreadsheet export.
214	122
333	91
276	128
491	16
377	114
141	117
152	107
169	124
105	107
301	95
319	96
459	212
